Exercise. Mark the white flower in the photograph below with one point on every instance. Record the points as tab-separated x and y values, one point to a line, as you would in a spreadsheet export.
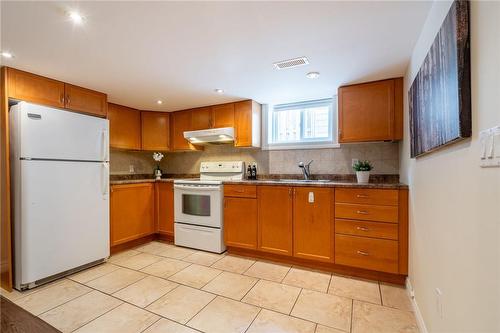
157	156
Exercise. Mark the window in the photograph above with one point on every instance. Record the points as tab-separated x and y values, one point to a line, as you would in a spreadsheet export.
310	124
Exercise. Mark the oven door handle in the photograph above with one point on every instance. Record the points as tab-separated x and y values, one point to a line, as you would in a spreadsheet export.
197	188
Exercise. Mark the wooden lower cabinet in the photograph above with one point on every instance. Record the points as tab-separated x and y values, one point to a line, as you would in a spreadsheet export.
368	253
165	208
132	212
240	222
275	223
312	223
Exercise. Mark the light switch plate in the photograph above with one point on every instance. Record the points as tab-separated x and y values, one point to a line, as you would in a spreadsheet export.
489	140
311	197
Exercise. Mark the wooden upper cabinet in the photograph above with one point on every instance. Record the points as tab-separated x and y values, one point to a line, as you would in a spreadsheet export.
124	127
371	111
275	223
165	208
85	100
180	121
313	234
222	115
247	115
155	130
201	118
34	88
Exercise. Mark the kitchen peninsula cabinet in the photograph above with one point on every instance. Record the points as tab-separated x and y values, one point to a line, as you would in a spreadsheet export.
371	111
132	212
124	127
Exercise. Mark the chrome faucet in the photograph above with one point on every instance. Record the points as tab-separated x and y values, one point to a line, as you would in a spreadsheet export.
305	169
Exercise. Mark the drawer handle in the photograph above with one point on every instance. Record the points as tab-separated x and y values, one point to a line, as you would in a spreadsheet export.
363	253
361	196
239	191
364	212
362	228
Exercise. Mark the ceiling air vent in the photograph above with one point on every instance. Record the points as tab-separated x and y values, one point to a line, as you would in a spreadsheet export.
291	63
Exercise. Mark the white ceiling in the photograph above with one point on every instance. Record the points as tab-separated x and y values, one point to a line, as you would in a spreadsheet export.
138	52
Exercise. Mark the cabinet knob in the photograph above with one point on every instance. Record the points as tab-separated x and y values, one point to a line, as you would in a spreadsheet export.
363	253
61	98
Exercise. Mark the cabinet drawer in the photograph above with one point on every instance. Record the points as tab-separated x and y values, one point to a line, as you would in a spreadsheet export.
241	191
367	196
367	229
368	253
367	212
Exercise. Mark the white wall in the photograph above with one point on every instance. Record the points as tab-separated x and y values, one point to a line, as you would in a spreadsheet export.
455	204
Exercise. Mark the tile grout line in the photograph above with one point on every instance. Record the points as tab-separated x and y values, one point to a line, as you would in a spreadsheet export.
88	292
251	323
295	303
352	314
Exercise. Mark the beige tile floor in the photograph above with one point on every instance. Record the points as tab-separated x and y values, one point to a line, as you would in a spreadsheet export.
159	287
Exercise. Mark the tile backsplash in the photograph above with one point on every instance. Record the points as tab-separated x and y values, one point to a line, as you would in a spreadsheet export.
383	155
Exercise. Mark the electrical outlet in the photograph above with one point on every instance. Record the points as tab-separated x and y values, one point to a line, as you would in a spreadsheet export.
354	161
131	168
439	302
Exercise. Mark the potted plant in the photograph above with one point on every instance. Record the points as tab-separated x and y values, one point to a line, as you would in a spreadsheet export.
157	156
362	169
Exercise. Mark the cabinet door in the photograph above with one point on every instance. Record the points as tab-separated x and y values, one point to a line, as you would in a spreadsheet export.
366	112
35	89
201	118
132	212
124	127
165	208
240	222
155	132
181	122
223	115
85	100
312	223
275	219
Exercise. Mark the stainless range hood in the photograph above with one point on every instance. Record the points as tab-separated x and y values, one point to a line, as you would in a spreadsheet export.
211	136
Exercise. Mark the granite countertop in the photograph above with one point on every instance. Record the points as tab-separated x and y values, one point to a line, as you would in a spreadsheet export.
329	183
377	181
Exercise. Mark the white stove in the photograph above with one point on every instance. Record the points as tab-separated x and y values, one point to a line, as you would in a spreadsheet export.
198	203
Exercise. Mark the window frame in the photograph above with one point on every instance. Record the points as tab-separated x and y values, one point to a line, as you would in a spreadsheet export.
268	123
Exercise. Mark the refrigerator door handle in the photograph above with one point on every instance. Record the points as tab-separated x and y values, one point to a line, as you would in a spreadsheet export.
104	138
104	179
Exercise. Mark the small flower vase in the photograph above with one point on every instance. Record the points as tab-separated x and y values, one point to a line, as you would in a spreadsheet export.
158	173
363	176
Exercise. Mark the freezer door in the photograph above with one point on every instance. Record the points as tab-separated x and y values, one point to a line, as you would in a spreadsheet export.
62	221
49	133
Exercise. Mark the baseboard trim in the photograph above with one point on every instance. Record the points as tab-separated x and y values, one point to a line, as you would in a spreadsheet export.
416	310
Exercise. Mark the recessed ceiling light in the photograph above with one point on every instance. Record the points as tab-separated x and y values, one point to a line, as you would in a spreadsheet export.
312	75
76	17
159	102
219	91
7	55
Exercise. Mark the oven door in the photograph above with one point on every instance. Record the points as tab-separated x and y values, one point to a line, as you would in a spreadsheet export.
198	204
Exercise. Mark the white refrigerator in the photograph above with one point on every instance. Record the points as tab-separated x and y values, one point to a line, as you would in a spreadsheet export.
60	192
